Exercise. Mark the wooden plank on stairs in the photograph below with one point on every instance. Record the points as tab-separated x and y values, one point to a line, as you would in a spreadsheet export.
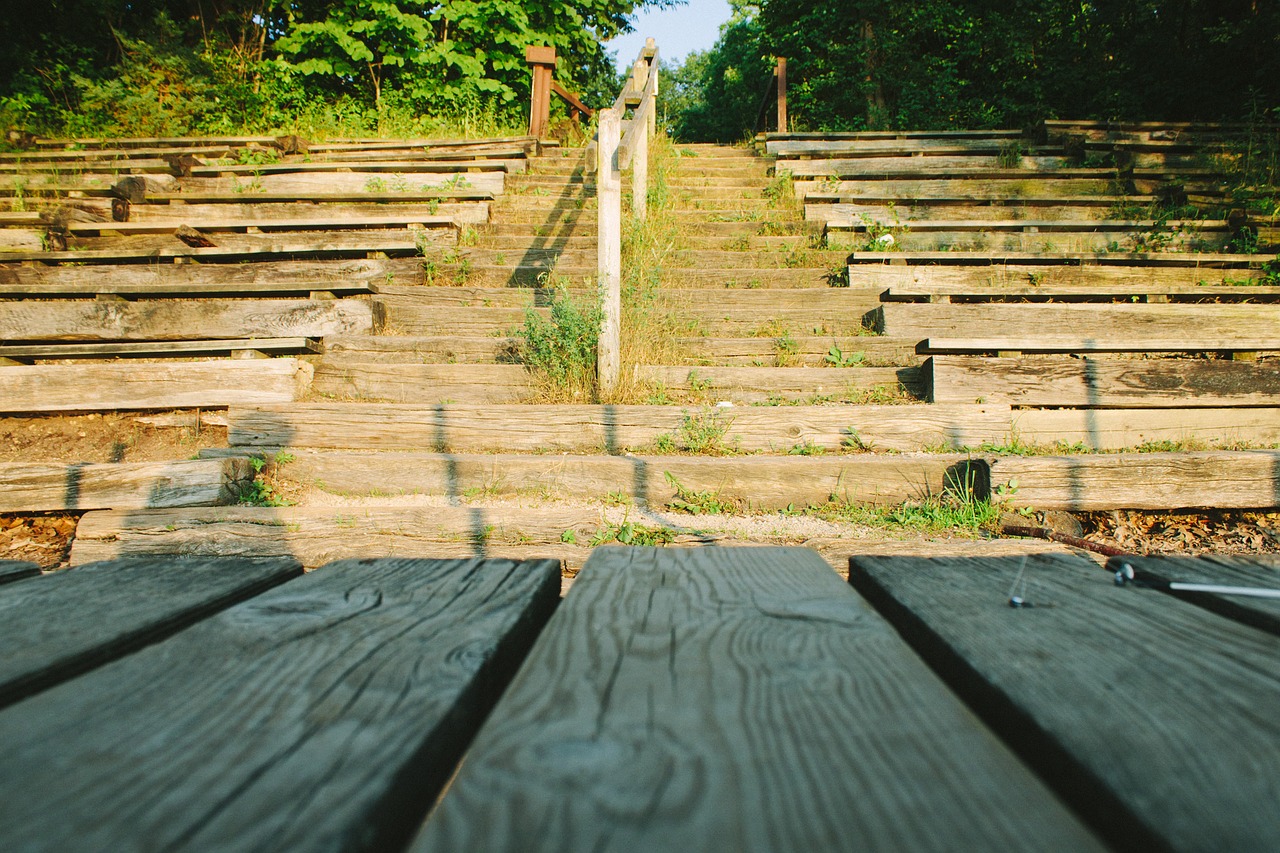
42	487
316	535
242	346
514	428
1064	381
106	387
360	685
1143	708
423	383
1049	344
1192	260
755	482
71	622
759	384
1115	429
1029	279
733	698
175	319
1217	480
1150	320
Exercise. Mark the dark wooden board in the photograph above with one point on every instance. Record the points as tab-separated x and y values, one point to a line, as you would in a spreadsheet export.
733	699
70	622
13	570
154	348
1247	571
1152	716
322	715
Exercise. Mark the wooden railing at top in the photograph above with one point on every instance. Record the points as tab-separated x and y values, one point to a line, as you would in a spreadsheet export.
608	154
778	84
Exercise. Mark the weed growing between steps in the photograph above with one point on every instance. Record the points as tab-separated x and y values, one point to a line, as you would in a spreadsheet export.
263	490
560	349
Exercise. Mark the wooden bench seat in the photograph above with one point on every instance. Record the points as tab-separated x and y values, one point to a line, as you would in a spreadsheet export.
322	713
1143	708
25	353
732	699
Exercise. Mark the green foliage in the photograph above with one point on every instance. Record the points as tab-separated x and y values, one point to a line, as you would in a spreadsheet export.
561	348
839	358
700	503
630	533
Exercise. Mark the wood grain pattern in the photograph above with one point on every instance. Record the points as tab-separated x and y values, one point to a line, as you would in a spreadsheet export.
732	699
1142	708
423	383
322	715
1248	479
614	428
38	487
1260	570
1051	381
14	570
316	535
70	622
161	348
1114	429
1030	342
184	319
104	387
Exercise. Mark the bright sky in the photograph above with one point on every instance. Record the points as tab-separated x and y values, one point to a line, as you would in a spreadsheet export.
694	25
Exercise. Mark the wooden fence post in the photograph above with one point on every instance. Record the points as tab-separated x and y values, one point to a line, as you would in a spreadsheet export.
782	94
543	61
640	177
609	248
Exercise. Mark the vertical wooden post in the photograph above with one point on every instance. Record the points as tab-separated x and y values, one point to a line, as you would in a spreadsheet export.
782	94
609	248
543	61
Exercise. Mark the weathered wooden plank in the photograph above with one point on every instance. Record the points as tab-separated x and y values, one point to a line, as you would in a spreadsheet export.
310	213
1037	240
939	166
844	136
1142	708
1247	479
1260	571
484	349
359	685
184	319
732	698
757	384
1051	381
987	185
1062	344
1196	260
266	277
423	383
37	487
803	348
104	387
1114	429
74	621
14	570
793	148
416	168
1158	321
349	182
264	201
1185	292
161	348
614	428
1029	279
757	482
147	225
843	211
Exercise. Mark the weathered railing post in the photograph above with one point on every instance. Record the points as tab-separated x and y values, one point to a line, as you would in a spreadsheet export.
609	247
543	61
640	157
782	94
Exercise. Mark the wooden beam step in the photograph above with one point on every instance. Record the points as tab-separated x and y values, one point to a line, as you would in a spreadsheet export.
305	215
149	349
411	654
803	349
274	278
1036	241
989	185
1125	727
74	621
344	378
1053	344
1063	381
117	386
615	429
225	225
776	384
750	482
1028	279
1110	321
1213	480
846	213
1193	260
265	200
356	181
318	535
1117	429
170	319
484	349
38	487
1045	226
973	165
1191	292
380	166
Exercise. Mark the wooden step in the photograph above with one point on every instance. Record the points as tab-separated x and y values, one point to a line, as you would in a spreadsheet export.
520	428
307	215
1186	260
745	482
782	384
344	378
1237	322
1061	282
1039	241
800	350
422	349
170	319
122	386
365	180
1217	480
1055	344
1117	429
938	166
253	348
1061	381
989	185
36	487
